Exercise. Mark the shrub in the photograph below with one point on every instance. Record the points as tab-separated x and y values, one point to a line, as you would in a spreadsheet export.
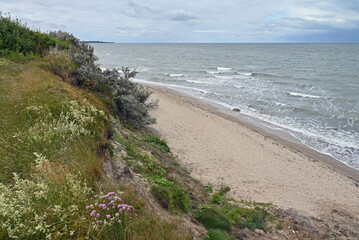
17	39
130	99
213	218
60	64
216	234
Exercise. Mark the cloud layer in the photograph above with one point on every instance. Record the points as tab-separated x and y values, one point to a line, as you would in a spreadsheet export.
194	21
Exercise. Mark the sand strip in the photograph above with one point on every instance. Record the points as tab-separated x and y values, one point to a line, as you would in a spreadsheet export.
256	167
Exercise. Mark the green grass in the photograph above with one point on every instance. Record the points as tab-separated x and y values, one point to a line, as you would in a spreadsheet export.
213	218
251	218
216	234
41	113
161	144
17	40
168	193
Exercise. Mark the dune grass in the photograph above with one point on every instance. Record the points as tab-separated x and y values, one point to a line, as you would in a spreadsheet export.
51	165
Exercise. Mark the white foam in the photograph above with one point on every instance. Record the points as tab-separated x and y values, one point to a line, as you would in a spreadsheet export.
295	94
223	68
280	104
174	75
212	72
245	73
168	85
199	82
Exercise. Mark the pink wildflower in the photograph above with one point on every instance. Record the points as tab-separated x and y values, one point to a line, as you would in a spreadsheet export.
108	216
93	213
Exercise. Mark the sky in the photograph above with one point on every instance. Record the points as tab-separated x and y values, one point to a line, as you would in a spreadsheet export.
193	21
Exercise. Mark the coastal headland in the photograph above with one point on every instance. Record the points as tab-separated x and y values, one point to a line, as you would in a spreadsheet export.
257	166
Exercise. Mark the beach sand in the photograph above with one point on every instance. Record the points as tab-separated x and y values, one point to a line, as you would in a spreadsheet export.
256	166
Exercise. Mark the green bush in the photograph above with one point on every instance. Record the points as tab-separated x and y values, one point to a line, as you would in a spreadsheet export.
17	39
216	234
212	218
129	99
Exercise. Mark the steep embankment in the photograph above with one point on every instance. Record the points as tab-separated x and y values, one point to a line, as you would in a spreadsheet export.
54	140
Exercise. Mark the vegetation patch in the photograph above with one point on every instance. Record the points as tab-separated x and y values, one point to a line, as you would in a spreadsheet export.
213	218
217	234
161	144
251	218
168	193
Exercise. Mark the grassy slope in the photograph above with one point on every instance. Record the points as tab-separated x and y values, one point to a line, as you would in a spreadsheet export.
37	115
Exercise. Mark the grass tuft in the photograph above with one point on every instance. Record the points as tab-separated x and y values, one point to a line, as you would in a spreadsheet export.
217	234
212	218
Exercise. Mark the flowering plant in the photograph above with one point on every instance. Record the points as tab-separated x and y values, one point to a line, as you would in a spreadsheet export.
108	209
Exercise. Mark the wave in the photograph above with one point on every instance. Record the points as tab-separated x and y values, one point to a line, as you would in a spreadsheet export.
200	82
295	94
223	69
138	80
281	104
245	73
174	75
270	75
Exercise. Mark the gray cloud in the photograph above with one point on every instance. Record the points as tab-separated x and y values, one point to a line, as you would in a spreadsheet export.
190	21
181	15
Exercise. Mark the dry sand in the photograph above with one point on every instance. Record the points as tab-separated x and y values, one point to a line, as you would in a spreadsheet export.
256	167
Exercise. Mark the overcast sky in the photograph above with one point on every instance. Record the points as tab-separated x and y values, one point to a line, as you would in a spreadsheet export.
193	20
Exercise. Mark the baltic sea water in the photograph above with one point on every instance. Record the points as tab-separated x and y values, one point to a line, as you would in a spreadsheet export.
311	90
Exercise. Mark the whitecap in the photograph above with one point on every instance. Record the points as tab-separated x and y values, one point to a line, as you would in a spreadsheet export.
280	104
200	82
223	68
245	73
295	94
174	75
212	72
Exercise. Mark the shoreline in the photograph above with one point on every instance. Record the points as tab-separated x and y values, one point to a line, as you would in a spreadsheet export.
256	126
294	169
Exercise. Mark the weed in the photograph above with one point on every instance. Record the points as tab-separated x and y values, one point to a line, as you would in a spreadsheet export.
216	198
208	188
217	234
169	194
223	190
249	218
279	226
212	218
161	144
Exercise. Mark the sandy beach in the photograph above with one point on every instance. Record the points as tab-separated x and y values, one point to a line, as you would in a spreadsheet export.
257	167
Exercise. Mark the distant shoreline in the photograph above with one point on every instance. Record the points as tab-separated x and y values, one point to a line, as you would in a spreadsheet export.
96	42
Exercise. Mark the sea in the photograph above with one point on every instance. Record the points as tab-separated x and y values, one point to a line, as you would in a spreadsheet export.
310	91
